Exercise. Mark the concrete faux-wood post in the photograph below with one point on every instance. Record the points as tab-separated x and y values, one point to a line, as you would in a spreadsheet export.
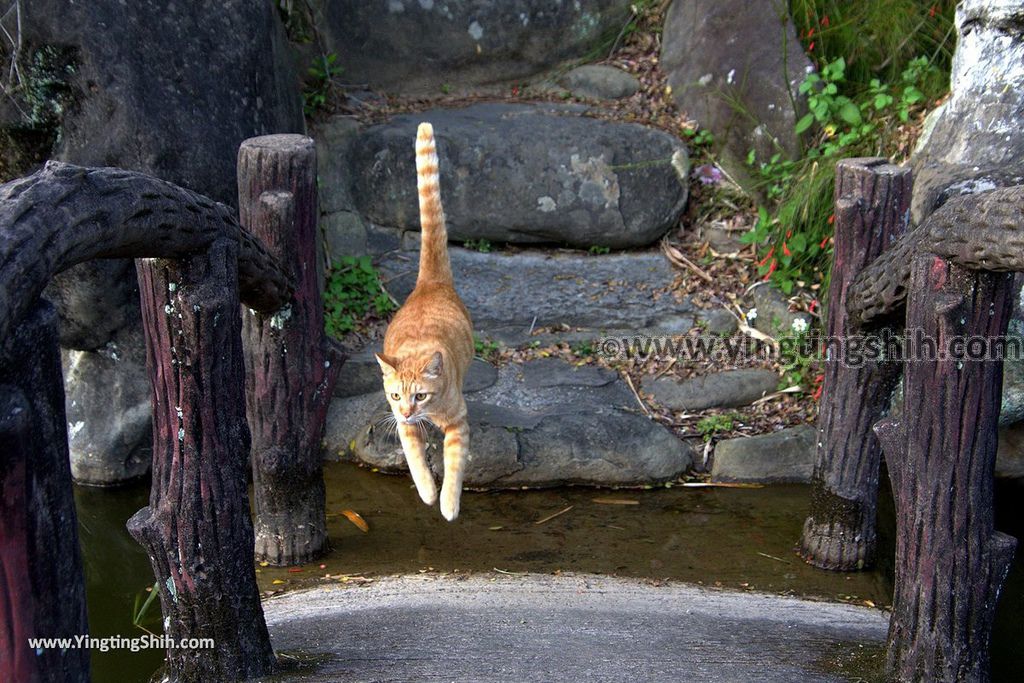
291	365
950	562
197	527
872	200
42	593
49	221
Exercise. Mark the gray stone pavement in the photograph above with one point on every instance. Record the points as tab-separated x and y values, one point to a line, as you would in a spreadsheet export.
528	628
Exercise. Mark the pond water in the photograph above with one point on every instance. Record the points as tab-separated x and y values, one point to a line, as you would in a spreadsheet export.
739	539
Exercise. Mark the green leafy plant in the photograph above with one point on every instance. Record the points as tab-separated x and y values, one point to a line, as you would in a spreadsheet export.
794	228
712	425
880	38
318	86
598	250
353	292
485	348
584	349
699	137
481	245
879	63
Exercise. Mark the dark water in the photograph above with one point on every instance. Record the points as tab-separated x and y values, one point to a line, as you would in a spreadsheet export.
739	539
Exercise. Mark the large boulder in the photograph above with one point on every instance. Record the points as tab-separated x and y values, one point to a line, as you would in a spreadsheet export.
735	66
165	89
540	423
422	45
109	411
973	142
526	173
169	89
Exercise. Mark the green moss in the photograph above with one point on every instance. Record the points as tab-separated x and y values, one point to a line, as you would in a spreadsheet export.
35	108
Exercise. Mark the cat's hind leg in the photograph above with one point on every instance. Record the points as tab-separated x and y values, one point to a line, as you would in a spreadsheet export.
415	456
456	450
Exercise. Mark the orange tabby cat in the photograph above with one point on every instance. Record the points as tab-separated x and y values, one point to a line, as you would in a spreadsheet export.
428	347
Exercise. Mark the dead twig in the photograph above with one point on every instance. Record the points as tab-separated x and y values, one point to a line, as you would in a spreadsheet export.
639	400
677	258
551	517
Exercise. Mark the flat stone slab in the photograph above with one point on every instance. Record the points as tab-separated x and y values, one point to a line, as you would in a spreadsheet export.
422	46
726	389
527	174
508	294
361	375
541	423
783	456
600	82
773	315
570	627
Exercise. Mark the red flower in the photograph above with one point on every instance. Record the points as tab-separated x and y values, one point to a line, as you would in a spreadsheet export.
823	243
811	46
819	383
825	21
766	257
814	304
831	219
933	10
785	250
771	270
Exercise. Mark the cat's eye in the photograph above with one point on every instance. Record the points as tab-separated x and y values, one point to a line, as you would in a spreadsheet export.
396	396
421	396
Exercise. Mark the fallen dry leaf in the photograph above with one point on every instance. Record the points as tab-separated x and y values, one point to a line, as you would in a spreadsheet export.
357	519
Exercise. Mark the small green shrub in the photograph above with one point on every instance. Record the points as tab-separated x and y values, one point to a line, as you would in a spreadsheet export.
485	348
584	349
879	63
318	86
794	229
878	39
596	250
353	292
712	425
481	245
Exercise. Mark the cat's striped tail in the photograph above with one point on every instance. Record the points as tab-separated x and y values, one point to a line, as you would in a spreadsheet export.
434	263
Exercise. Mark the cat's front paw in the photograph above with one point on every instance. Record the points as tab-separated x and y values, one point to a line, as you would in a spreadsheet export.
427	490
450	502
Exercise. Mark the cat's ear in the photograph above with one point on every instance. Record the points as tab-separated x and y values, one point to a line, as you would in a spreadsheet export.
387	366
432	370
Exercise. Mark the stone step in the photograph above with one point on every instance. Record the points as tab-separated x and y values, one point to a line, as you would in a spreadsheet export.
539	423
508	294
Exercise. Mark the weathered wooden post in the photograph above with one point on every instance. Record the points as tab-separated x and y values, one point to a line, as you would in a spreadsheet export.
291	366
197	528
42	593
950	562
872	200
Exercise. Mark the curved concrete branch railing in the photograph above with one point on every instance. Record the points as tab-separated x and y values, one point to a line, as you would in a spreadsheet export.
195	263
64	215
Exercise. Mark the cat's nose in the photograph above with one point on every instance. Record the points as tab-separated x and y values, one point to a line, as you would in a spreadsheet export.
406	412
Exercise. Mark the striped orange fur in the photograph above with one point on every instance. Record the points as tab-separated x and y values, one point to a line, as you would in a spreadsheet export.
428	347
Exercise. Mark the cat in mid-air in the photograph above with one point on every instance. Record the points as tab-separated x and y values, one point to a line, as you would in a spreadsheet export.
428	347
